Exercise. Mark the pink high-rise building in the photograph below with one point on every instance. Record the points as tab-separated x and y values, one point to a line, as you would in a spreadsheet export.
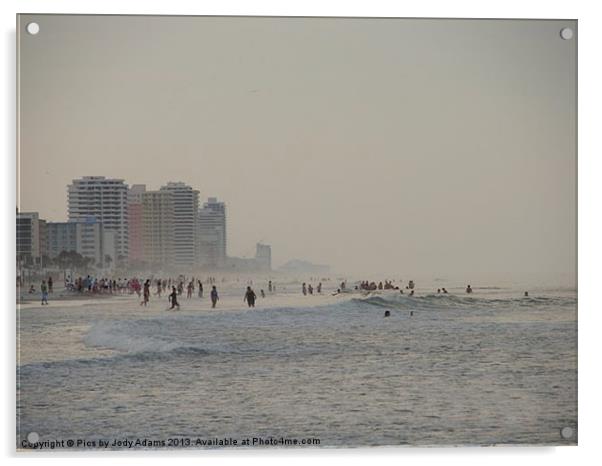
135	222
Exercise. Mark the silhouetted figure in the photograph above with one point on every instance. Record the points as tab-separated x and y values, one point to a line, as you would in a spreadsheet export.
250	297
214	296
173	297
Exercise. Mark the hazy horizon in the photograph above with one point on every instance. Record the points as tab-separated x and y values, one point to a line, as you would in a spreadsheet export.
399	147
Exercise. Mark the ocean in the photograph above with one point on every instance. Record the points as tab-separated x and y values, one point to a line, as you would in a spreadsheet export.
490	368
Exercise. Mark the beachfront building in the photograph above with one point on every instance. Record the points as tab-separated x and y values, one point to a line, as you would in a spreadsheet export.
84	236
185	214
135	192
105	199
62	236
28	238
263	256
212	234
158	228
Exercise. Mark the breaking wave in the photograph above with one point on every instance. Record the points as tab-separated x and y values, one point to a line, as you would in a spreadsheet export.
449	301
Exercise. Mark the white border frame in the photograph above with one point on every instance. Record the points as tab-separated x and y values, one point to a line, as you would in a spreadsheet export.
589	225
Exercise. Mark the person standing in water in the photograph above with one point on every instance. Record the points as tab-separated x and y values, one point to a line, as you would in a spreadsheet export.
304	289
468	289
250	297
44	289
189	290
50	284
214	296
174	298
200	289
262	294
319	288
270	286
146	293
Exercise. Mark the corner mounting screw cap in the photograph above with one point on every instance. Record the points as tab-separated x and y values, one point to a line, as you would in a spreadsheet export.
566	33
567	432
33	28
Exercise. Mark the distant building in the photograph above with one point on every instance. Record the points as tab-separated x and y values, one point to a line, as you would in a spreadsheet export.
262	262
303	267
158	228
263	256
185	214
43	236
62	236
105	199
242	264
135	222
86	237
28	237
212	234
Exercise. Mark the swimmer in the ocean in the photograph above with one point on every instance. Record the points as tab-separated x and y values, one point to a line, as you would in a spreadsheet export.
387	313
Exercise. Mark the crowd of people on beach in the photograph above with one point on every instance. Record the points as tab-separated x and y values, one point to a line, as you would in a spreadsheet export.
174	288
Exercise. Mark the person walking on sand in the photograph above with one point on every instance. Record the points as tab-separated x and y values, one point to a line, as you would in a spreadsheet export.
200	289
44	289
250	297
214	296
173	297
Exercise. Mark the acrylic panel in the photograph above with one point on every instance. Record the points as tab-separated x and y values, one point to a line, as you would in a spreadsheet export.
298	232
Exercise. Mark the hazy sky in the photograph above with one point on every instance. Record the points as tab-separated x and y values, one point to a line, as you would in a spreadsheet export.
435	148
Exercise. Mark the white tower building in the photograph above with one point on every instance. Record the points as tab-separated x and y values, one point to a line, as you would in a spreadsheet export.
106	200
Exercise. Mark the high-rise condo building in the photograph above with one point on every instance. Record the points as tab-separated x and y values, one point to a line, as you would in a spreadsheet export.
135	222
185	212
105	199
158	228
212	234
